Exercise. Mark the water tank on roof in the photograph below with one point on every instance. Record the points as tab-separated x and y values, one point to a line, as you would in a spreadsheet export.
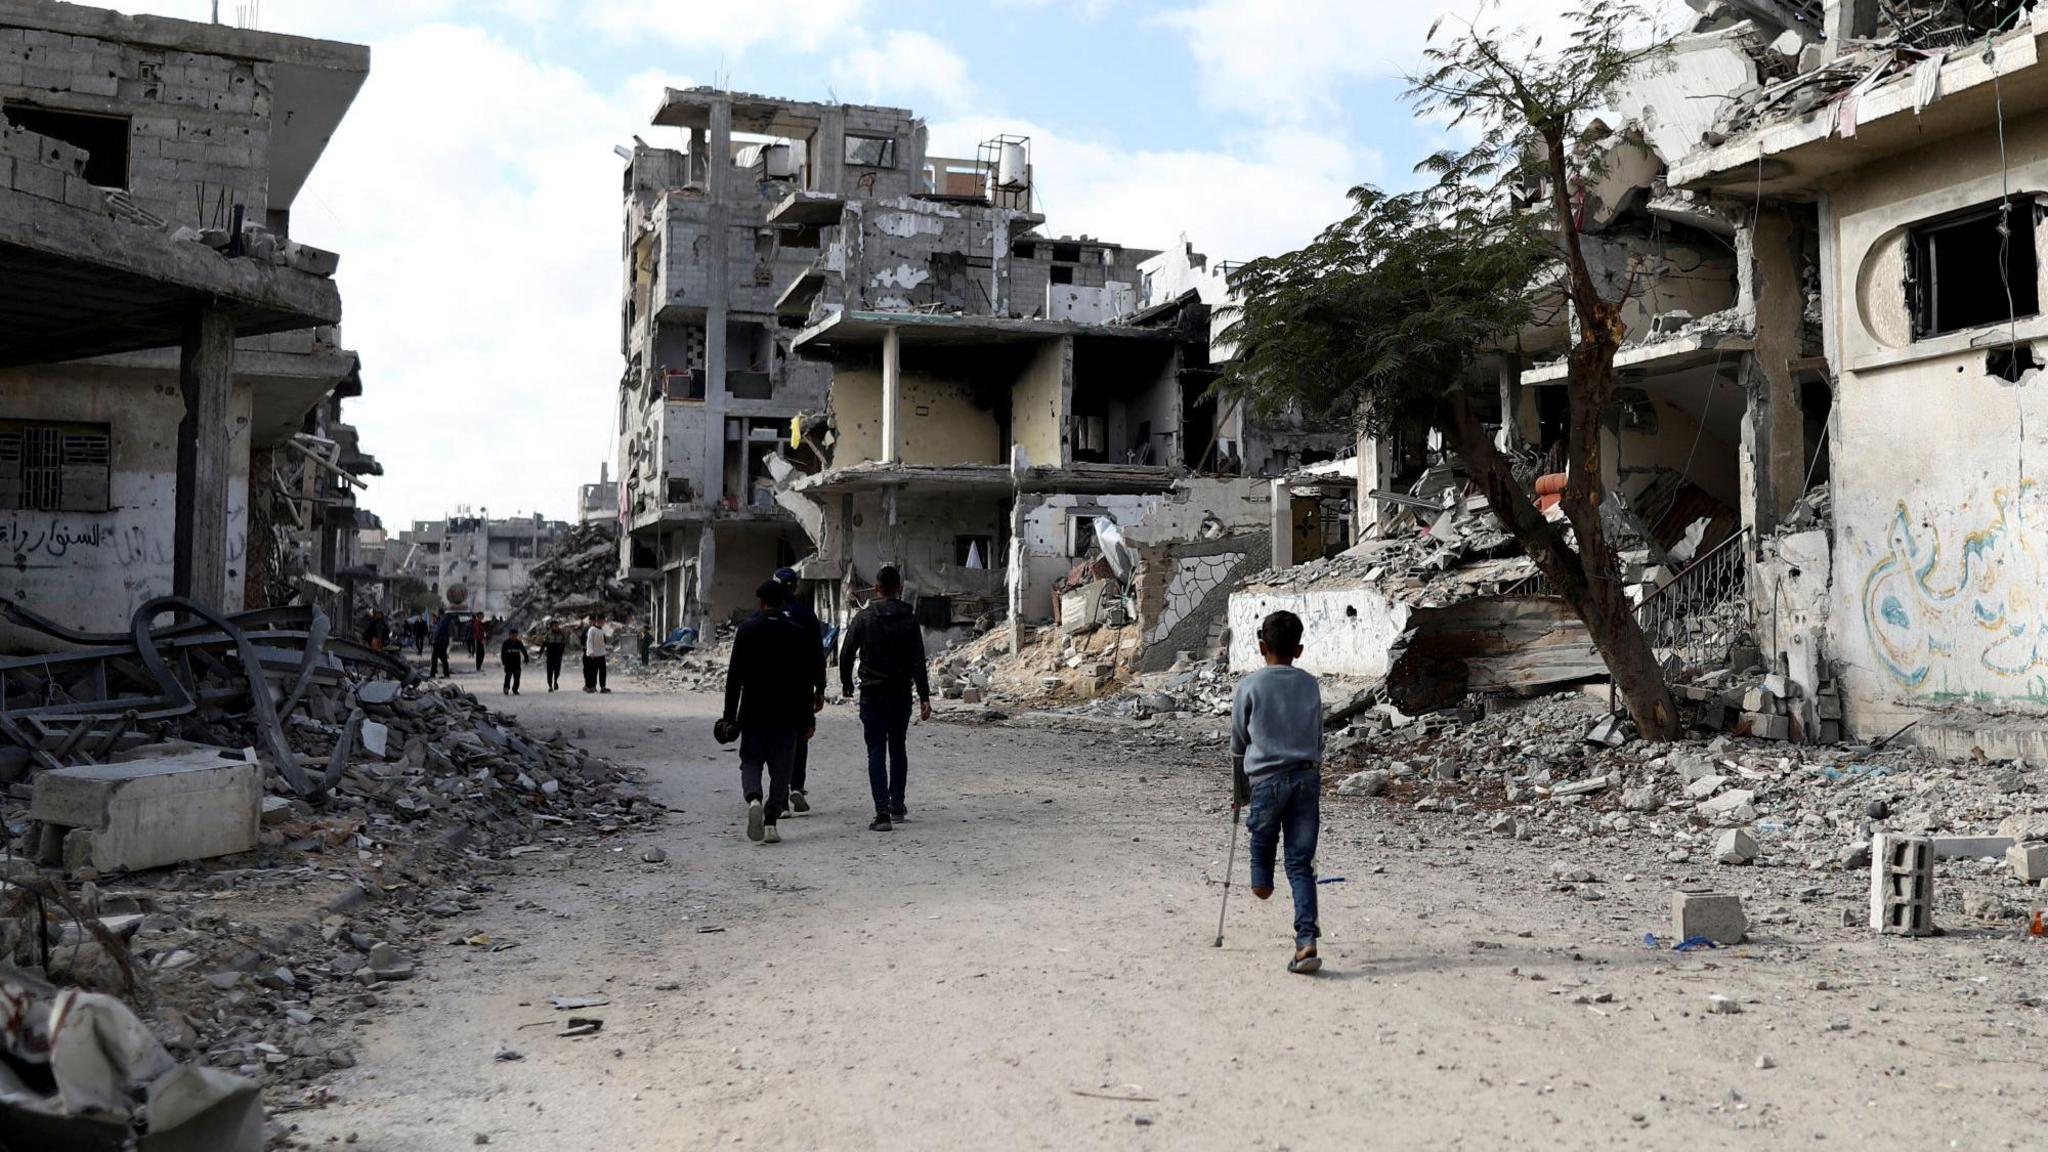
780	161
1012	169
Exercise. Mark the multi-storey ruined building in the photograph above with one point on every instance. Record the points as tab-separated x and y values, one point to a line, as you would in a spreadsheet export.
488	560
844	350
171	152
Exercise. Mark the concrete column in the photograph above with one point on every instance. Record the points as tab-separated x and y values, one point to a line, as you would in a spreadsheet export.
719	185
1282	515
1774	426
707	559
1510	367
892	395
206	364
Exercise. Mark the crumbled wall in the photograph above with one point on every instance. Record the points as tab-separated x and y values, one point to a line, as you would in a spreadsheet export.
1184	593
200	129
1346	631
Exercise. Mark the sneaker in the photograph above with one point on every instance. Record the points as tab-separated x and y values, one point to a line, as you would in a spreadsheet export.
606	691
879	824
770	836
797	803
899	813
755	820
1307	965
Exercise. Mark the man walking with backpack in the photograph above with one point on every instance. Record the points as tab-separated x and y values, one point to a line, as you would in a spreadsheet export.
887	644
774	688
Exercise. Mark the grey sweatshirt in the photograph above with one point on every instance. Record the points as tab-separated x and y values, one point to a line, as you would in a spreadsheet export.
1276	721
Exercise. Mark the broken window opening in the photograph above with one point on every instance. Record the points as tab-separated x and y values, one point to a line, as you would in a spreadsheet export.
1081	535
104	138
1974	268
47	467
1061	275
2012	362
1066	253
871	151
974	551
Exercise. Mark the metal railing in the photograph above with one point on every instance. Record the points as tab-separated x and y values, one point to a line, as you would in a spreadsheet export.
1703	606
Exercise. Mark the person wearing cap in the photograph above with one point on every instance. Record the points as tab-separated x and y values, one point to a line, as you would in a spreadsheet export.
886	644
799	612
774	688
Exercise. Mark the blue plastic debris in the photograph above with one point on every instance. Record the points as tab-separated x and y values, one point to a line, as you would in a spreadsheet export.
1694	943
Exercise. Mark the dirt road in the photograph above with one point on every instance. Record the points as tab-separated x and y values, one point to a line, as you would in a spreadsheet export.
1026	963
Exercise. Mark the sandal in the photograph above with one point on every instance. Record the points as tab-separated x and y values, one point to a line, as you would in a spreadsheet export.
1305	965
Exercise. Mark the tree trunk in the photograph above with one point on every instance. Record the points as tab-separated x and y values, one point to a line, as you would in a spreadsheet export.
1592	587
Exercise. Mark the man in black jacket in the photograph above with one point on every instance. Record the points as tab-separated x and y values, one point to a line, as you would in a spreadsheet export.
887	643
774	688
800	614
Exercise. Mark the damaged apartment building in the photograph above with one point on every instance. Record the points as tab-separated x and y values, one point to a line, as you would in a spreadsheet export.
1826	219
166	350
843	352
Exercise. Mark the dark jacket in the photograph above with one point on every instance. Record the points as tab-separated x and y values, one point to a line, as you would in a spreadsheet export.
888	644
799	610
512	653
776	669
442	628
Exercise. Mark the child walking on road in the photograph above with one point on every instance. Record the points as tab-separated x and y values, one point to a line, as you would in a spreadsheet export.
512	655
1276	753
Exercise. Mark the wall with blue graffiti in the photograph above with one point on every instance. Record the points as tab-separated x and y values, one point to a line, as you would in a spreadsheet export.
1941	521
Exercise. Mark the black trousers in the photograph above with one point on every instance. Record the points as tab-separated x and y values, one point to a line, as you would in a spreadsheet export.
593	673
512	675
439	665
554	669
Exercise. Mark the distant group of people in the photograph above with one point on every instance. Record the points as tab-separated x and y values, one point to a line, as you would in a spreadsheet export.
775	687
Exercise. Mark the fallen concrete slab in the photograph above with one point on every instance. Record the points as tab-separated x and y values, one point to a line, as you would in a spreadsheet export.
1489	644
170	803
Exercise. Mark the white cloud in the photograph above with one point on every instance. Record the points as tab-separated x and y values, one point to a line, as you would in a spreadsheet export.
474	198
727	25
1284	59
902	68
1271	195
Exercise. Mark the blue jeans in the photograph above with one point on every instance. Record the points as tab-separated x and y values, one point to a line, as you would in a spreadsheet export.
885	722
1289	803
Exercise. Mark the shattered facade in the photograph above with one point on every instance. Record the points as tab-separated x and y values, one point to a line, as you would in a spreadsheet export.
846	352
487	560
151	147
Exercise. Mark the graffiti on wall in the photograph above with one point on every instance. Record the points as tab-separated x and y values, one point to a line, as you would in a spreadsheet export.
1963	610
31	540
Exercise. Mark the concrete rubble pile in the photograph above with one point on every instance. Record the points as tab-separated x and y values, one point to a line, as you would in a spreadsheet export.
576	578
1549	770
254	961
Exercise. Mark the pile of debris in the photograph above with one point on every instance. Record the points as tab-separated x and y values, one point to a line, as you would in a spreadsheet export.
252	919
1557	769
577	577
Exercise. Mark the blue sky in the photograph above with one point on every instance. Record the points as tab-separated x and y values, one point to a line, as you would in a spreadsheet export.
474	197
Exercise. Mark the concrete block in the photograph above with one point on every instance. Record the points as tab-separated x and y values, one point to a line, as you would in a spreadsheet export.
2029	862
39	180
1971	847
177	803
1764	727
1717	917
376	738
1736	847
1727	802
1902	885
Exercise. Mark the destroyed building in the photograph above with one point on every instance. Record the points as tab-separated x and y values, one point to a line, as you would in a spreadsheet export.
844	351
599	501
471	561
1824	216
161	334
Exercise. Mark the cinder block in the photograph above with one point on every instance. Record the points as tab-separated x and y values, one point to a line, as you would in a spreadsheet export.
1902	885
177	802
38	180
1717	917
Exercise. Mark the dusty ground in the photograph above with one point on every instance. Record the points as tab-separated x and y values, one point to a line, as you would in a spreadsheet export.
1028	964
